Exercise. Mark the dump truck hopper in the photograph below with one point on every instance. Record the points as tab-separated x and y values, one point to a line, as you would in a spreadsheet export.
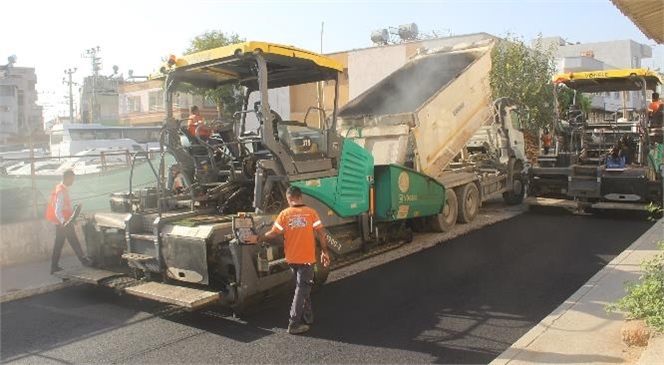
443	95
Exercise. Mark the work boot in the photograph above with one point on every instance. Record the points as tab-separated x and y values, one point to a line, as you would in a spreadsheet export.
55	269
295	329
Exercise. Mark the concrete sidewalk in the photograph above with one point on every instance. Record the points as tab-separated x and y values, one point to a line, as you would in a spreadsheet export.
21	281
580	331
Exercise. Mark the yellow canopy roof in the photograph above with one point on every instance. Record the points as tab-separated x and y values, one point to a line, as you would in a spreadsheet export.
234	63
609	80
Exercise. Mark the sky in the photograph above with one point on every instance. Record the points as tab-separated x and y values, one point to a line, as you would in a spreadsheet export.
52	36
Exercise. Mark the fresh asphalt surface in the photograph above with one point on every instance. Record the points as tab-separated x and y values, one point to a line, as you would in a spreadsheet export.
464	301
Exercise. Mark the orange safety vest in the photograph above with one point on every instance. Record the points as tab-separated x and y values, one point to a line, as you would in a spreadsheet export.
50	208
546	140
193	123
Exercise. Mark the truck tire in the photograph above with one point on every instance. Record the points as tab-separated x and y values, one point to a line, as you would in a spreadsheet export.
469	203
515	196
445	220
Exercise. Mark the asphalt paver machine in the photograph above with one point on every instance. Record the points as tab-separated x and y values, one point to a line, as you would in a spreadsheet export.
609	164
183	243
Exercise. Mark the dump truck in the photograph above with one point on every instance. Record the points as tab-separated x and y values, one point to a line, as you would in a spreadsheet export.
184	243
436	115
610	164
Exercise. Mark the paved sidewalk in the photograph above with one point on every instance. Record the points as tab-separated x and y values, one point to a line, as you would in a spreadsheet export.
34	278
580	331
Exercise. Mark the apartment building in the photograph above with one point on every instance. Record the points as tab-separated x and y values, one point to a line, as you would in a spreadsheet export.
19	112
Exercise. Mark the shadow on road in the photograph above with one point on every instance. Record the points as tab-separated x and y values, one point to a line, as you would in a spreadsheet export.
464	301
467	300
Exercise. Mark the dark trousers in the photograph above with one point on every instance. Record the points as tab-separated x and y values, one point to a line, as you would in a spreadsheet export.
62	233
304	280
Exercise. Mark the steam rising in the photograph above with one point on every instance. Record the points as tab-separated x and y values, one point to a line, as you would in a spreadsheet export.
406	89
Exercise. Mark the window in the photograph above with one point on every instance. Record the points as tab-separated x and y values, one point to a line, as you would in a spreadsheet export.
301	139
133	104
108	134
156	100
82	135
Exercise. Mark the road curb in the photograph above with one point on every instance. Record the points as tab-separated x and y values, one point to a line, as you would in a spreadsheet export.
22	294
522	344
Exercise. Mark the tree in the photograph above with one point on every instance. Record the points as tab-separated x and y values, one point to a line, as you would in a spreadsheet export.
228	98
566	98
525	75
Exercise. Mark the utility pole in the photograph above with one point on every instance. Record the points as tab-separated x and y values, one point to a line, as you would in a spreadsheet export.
69	82
96	66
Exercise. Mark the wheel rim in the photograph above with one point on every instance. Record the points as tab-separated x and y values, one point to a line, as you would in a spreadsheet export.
471	206
447	213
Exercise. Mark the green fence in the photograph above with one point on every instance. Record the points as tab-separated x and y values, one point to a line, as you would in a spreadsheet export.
24	197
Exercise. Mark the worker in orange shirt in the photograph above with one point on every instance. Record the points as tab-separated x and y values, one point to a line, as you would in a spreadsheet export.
654	105
59	212
194	121
547	141
298	223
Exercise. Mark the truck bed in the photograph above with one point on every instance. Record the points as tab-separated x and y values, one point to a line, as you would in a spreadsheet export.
425	112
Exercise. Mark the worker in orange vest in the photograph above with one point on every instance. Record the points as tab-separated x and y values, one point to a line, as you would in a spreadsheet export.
196	120
59	212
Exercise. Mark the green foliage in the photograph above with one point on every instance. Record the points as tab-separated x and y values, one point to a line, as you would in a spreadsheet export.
566	98
227	98
645	299
212	39
525	75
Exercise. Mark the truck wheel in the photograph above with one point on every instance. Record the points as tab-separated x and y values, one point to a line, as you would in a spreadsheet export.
469	203
515	196
445	220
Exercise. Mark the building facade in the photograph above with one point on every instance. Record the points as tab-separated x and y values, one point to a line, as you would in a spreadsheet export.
142	103
19	112
99	99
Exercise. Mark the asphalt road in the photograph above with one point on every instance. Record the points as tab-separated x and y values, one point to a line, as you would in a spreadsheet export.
464	301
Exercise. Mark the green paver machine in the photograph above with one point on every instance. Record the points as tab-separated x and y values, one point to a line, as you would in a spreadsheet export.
183	245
